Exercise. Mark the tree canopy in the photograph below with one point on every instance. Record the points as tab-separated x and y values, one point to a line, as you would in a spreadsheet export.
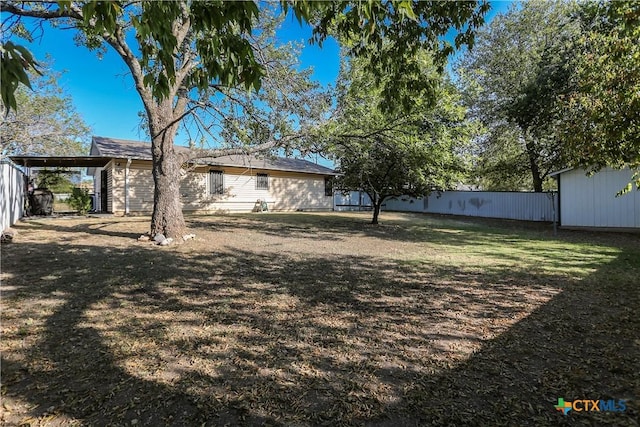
388	151
176	51
557	84
514	80
46	123
602	126
222	53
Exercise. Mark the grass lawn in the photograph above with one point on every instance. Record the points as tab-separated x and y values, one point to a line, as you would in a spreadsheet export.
318	319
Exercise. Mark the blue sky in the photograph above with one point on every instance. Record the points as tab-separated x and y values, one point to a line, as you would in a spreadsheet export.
103	91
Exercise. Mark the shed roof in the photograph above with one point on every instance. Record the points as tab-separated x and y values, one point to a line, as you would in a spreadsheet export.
138	150
561	171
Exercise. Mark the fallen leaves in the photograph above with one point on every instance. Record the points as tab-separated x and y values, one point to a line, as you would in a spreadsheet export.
306	320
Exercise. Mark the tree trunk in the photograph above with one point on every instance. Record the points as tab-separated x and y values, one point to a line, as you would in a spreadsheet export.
376	213
377	203
167	218
533	165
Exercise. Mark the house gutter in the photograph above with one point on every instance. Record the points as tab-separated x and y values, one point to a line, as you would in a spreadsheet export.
126	186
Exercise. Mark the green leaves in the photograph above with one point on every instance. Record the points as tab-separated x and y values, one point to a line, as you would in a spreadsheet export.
214	35
99	16
388	35
45	121
15	61
567	78
80	200
217	36
393	150
603	120
515	79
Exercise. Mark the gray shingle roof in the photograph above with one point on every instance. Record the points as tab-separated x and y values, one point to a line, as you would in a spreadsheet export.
269	163
139	150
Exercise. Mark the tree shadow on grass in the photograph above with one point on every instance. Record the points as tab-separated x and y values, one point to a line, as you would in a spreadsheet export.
108	336
582	344
90	226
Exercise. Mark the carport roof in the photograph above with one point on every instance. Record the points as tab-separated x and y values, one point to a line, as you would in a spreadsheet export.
60	161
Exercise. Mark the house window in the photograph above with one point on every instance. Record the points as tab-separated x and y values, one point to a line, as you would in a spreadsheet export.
328	186
216	182
262	181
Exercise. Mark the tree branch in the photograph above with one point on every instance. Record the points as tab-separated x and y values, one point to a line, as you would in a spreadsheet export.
118	42
10	7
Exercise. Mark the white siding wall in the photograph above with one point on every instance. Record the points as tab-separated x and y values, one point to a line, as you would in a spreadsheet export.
507	205
592	202
12	191
140	188
291	191
240	193
287	191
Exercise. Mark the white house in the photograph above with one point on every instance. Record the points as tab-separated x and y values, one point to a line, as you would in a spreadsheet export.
123	182
221	184
590	201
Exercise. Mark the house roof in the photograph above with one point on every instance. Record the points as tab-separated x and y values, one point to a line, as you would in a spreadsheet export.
138	150
269	163
123	148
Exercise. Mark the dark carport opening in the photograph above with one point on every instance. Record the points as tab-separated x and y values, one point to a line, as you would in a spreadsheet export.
44	202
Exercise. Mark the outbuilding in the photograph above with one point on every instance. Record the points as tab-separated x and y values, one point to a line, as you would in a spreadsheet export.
591	201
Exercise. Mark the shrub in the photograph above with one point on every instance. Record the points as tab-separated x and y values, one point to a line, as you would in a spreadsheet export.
80	200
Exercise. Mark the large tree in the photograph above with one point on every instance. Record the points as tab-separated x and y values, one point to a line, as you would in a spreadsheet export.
180	53
386	150
514	79
602	126
46	123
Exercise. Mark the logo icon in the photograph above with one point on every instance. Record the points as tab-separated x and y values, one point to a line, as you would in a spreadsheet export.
563	406
588	405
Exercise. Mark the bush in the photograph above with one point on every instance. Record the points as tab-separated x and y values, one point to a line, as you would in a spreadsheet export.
80	200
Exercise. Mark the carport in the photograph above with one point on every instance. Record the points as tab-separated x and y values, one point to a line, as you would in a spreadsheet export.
29	162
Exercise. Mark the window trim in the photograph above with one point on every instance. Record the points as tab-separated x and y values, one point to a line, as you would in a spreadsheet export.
220	190
328	186
264	181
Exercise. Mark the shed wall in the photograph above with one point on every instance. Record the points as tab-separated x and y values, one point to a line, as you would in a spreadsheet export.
590	201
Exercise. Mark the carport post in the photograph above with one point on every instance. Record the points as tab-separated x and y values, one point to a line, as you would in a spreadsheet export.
126	186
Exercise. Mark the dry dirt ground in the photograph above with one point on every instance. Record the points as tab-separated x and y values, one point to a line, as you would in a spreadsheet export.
317	319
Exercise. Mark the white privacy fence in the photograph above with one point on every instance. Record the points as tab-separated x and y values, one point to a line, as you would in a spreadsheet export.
351	201
489	204
12	189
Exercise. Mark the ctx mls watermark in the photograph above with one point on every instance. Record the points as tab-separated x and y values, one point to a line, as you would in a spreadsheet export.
589	405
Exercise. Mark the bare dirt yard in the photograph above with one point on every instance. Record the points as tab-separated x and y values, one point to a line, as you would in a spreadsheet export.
318	319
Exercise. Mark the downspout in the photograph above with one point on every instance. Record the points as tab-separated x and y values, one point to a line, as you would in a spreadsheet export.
126	186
